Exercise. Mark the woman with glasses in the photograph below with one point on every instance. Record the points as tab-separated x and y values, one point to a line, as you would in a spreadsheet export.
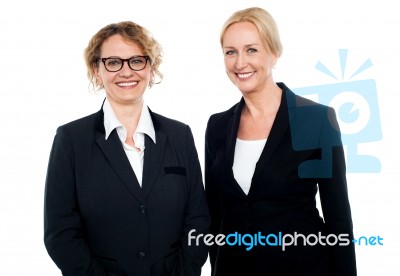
124	185
266	157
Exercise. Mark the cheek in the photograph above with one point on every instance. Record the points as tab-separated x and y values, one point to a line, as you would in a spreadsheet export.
105	80
102	77
229	64
144	74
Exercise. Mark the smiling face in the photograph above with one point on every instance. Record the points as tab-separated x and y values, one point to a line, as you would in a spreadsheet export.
125	86
248	63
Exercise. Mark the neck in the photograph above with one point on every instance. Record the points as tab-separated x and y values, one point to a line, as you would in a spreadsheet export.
128	114
263	102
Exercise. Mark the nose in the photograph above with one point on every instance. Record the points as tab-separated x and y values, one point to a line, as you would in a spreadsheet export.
241	61
125	71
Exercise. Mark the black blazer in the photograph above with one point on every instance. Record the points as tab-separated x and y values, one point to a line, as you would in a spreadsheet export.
99	221
303	153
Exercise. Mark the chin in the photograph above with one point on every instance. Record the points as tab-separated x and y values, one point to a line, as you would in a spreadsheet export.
245	88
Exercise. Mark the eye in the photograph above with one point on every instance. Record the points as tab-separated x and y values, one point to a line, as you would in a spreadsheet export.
252	50
113	62
230	52
137	60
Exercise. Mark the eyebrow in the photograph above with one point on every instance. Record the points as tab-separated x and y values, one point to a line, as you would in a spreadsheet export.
247	45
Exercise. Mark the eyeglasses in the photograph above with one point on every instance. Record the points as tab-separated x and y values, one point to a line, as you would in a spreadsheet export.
114	64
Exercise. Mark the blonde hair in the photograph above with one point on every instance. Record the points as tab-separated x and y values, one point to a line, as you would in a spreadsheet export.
131	32
264	23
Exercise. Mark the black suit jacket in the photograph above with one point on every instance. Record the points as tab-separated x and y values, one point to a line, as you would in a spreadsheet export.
99	221
303	152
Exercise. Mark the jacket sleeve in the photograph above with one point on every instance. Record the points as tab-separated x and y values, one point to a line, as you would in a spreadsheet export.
334	198
63	234
192	258
212	195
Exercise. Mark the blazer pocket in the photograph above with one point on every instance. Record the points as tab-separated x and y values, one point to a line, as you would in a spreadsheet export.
175	170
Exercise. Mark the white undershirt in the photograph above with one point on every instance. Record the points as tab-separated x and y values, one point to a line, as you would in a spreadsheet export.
246	156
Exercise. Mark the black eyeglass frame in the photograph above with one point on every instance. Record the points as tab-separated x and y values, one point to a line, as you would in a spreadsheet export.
147	58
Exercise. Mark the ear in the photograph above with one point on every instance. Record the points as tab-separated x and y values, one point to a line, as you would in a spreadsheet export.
99	80
276	57
275	60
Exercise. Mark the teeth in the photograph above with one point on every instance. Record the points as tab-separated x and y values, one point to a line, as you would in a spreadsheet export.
243	76
127	83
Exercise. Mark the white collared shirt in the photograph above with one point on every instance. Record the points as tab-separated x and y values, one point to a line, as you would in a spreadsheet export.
145	126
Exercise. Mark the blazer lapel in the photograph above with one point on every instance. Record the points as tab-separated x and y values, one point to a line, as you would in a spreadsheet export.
153	159
153	156
233	126
116	156
279	127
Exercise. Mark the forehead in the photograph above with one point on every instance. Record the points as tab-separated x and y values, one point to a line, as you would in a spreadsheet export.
241	33
116	45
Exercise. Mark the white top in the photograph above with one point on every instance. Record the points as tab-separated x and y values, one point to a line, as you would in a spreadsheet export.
246	156
145	126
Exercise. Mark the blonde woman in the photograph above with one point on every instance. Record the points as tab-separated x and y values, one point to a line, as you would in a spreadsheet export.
266	157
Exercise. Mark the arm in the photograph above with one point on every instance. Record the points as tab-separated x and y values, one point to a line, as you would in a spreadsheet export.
192	258
63	234
334	199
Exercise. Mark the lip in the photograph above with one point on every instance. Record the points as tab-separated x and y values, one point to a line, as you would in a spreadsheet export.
125	84
245	75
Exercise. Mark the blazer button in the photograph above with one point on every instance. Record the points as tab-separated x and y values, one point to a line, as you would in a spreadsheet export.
142	209
141	255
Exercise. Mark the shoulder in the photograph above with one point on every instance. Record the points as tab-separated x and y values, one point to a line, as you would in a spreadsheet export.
82	126
76	135
313	120
167	125
219	125
178	135
312	111
302	102
220	119
295	101
177	132
305	112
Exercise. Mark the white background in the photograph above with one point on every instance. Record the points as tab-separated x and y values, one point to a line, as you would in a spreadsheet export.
44	85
